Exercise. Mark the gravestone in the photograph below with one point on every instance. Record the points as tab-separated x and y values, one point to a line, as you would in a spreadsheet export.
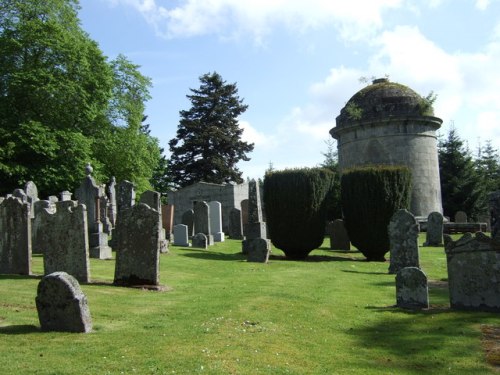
90	195
215	212
339	239
61	304
200	241
32	195
411	289
460	217
107	227
202	220
153	200
125	195
258	250
65	195
473	264
38	225
111	194
53	199
244	214
255	229
167	216
188	220
138	246
181	235
494	199
235	224
15	237
434	233
403	237
65	240
329	228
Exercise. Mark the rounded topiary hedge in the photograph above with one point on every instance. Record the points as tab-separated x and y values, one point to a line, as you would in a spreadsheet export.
295	203
369	198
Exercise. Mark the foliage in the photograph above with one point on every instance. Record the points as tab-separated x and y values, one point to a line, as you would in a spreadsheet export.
333	207
460	183
370	196
354	111
426	104
208	143
488	169
295	202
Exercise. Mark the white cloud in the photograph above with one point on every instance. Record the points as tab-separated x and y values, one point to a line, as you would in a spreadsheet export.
482	4
354	19
252	135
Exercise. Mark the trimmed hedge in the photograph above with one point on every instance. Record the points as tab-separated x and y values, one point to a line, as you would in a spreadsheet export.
295	203
369	197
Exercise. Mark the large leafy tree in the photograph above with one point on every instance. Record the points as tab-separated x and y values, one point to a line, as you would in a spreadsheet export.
460	182
208	143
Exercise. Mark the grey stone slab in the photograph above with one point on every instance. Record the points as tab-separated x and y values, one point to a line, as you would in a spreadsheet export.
200	241
201	217
215	210
61	304
188	220
181	237
434	232
339	239
258	250
235	224
125	195
411	288
403	237
460	217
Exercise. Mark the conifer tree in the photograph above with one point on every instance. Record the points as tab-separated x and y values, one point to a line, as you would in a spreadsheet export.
208	143
488	168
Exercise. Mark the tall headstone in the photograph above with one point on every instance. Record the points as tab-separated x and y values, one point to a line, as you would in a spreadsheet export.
167	216
111	194
104	204
153	200
15	237
235	224
434	233
255	230
460	217
32	195
65	240
411	288
138	246
339	239
215	210
403	238
188	220
125	195
61	304
244	214
473	272
90	195
202	220
38	225
494	199
181	235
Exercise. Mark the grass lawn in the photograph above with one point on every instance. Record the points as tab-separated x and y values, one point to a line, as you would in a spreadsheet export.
331	314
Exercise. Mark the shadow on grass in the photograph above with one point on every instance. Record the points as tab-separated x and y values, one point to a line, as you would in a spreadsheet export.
21	329
366	273
212	255
316	258
20	277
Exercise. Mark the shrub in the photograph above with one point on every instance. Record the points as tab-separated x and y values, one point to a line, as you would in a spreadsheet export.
295	206
369	197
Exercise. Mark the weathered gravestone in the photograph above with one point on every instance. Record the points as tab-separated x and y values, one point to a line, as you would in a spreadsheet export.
202	220
473	272
235	224
138	246
495	214
111	194
244	214
188	220
200	241
256	229
167	216
403	238
153	200
258	250
411	288
32	195
90	195
125	196
61	304
15	237
181	235
19	193
215	210
434	232
339	239
38	225
104	204
65	196
460	217
65	240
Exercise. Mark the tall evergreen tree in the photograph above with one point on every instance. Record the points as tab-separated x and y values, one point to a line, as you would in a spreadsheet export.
208	143
460	182
334	210
488	168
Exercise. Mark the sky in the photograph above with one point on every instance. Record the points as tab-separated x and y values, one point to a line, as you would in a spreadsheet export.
296	63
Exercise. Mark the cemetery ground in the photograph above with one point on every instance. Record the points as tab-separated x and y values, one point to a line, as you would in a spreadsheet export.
331	314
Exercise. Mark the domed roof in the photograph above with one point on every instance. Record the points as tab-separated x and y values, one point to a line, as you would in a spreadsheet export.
384	99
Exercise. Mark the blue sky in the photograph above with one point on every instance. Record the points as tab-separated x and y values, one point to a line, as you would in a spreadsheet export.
296	63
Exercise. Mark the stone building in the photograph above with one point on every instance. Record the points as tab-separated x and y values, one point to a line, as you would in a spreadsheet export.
230	196
387	123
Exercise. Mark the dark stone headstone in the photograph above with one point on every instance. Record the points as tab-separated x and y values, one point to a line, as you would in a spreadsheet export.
188	220
494	199
460	217
200	241
258	250
434	232
339	239
235	224
202	220
125	195
403	237
61	304
411	288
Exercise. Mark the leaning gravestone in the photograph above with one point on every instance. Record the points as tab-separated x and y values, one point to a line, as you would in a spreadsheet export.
460	217
188	220
61	304
202	220
200	241
235	224
181	235
90	195
65	239
403	238
339	239
411	289
215	210
473	272
138	246
434	233
15	237
495	214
